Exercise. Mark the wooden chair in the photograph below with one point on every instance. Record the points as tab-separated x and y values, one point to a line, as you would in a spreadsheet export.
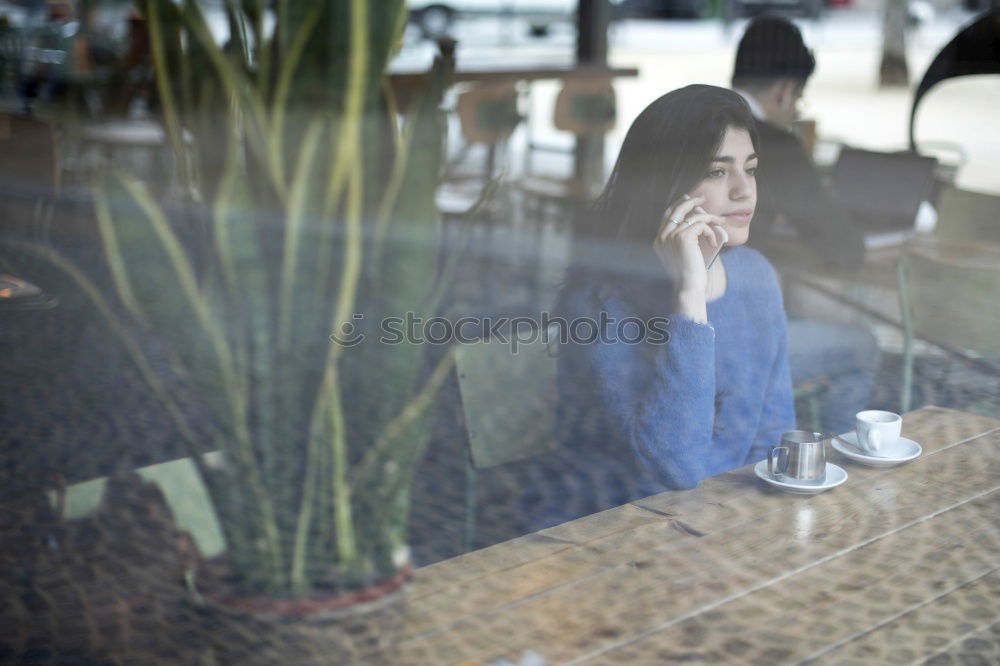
488	115
953	305
509	407
587	109
967	216
584	107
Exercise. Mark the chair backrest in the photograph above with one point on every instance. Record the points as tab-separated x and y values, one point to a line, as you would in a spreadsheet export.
586	106
966	216
953	303
488	113
509	400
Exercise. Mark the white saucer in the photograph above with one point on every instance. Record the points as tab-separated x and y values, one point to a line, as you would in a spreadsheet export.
902	451
834	477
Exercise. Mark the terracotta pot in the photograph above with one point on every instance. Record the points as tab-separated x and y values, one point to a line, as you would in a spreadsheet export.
358	628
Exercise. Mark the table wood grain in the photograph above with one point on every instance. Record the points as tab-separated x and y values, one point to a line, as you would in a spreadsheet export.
897	565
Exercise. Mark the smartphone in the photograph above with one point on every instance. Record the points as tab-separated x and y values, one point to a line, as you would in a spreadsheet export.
725	237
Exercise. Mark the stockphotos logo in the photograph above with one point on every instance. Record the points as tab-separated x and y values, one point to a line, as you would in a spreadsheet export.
513	331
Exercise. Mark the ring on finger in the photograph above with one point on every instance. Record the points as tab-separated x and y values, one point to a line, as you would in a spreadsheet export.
687	223
675	222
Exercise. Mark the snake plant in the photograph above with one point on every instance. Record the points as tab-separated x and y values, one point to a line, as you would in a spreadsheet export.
307	206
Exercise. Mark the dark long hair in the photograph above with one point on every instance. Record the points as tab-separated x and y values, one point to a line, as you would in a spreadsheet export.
666	153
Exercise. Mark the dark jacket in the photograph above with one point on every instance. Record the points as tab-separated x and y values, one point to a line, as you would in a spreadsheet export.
788	184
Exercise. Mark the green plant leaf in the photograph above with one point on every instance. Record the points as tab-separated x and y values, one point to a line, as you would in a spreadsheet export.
308	427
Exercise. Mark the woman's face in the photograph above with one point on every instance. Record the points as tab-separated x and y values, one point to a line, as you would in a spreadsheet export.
730	185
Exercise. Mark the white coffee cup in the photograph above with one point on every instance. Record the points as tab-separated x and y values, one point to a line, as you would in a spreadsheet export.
877	430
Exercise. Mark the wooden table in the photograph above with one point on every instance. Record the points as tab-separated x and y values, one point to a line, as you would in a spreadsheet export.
879	269
897	565
801	267
406	81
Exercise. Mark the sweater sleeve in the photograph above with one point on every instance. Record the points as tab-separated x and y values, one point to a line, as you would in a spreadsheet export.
660	396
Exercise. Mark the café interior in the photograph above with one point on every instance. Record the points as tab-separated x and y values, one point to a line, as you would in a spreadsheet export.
280	381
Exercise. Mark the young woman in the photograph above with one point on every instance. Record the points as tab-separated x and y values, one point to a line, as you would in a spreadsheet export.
645	413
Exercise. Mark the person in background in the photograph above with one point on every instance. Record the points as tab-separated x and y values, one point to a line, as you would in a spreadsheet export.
771	70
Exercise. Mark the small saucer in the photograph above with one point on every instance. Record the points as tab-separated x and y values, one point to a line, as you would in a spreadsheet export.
834	477
904	450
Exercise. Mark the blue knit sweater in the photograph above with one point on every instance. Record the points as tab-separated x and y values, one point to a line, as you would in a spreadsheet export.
713	398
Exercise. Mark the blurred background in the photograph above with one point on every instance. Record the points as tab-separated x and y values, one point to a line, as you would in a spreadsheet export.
70	403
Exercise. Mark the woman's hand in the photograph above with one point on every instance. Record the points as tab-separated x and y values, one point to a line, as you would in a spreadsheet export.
683	233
